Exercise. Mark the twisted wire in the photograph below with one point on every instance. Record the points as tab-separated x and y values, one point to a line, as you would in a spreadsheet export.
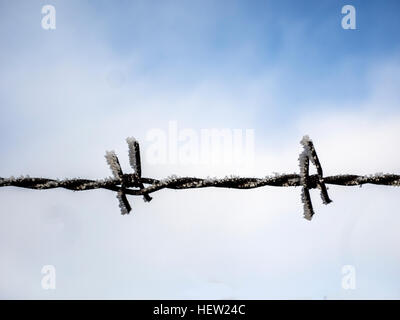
136	185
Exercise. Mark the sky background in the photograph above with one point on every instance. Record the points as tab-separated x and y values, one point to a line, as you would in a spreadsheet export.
116	69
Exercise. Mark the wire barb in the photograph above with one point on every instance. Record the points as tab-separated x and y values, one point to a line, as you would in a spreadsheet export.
134	184
304	181
113	162
115	167
123	202
134	160
308	154
134	155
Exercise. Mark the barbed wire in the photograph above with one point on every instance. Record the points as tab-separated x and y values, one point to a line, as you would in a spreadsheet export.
134	184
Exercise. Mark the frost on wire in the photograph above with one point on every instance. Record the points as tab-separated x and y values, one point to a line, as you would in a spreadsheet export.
134	183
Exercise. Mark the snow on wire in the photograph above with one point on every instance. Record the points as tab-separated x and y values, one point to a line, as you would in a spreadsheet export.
134	184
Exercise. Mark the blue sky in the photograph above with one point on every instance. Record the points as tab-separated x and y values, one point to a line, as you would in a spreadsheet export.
300	46
117	69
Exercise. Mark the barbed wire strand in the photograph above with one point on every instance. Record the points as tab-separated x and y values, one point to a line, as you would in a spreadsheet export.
134	184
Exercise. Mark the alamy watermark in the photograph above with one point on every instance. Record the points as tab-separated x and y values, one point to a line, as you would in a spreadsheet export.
204	146
349	277
49	277
349	20
49	18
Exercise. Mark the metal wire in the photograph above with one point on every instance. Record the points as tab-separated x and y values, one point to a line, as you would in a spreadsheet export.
136	185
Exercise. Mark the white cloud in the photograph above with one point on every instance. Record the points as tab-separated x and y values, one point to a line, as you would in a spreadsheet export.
191	243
